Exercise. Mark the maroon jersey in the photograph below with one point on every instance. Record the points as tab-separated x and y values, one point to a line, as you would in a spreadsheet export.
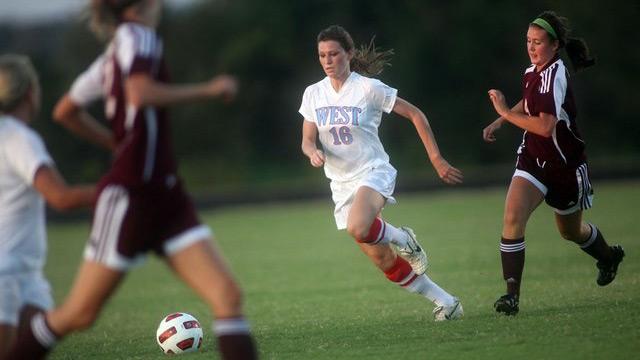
548	91
144	152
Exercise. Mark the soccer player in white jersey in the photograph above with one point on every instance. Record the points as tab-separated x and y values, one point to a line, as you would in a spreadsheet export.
344	111
28	178
552	163
141	205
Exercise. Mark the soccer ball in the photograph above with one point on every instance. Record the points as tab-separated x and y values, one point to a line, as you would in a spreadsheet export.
179	333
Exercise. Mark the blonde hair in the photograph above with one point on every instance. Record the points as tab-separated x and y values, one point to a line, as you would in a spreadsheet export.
104	16
17	77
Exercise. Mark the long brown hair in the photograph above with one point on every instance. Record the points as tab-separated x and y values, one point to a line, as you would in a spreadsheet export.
576	48
367	60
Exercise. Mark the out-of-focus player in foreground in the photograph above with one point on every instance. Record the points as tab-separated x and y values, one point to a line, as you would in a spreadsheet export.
141	203
28	178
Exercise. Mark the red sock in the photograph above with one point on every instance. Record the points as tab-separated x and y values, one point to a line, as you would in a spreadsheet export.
376	232
401	272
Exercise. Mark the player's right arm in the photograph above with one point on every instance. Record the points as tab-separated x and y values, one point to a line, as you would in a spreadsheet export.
77	120
309	147
488	132
70	110
60	196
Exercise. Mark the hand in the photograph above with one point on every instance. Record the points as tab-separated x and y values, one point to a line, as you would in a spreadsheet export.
499	102
446	172
317	158
488	132
223	86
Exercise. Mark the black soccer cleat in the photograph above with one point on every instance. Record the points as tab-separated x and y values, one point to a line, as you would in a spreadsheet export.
608	270
507	304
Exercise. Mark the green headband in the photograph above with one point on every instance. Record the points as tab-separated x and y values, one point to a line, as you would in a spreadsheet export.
546	26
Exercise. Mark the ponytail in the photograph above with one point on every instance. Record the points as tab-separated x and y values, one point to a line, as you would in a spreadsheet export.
104	16
579	54
577	49
368	61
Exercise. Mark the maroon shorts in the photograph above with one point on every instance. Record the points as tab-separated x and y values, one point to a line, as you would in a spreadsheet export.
566	188
129	222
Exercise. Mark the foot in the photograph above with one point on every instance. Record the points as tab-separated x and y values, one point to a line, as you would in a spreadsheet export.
450	312
507	304
412	252
608	270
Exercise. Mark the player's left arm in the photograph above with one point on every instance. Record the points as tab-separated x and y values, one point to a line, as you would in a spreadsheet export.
542	125
60	196
142	90
446	172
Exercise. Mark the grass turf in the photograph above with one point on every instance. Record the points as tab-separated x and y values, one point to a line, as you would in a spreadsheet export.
310	294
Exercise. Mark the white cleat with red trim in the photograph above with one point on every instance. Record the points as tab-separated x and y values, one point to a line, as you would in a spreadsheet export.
412	252
450	312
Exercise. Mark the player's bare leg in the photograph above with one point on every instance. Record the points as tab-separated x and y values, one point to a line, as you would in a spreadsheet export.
365	226
591	241
366	207
202	267
93	286
522	199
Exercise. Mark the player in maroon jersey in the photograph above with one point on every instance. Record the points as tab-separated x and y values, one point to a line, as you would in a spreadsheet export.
551	163
141	205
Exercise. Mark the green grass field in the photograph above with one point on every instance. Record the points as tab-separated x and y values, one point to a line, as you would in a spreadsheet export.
310	293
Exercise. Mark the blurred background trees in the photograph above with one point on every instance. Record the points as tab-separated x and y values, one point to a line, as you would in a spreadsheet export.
448	54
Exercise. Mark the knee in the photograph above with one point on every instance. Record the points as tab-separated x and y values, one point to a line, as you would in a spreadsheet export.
358	230
514	221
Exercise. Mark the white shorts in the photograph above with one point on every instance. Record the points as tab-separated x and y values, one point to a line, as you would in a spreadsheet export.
381	179
18	290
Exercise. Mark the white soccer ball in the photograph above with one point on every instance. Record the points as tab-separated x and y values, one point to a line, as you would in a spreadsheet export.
179	333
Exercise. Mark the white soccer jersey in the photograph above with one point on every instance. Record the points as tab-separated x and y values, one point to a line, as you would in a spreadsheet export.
348	122
22	216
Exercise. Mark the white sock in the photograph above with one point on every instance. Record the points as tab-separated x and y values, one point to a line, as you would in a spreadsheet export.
426	287
393	235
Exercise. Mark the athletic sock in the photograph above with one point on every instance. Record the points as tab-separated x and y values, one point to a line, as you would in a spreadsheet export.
382	232
234	339
596	246
33	342
512	254
402	274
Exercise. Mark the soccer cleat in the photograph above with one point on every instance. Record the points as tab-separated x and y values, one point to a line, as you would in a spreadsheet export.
608	270
507	304
412	252
451	312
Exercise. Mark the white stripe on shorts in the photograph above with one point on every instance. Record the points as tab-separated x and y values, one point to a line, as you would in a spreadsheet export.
111	209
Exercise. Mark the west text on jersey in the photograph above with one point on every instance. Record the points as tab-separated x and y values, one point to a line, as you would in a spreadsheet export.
338	115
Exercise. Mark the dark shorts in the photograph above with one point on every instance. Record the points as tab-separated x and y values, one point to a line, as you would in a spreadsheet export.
567	189
128	223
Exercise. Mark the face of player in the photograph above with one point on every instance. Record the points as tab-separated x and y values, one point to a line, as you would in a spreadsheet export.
540	47
334	59
152	12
